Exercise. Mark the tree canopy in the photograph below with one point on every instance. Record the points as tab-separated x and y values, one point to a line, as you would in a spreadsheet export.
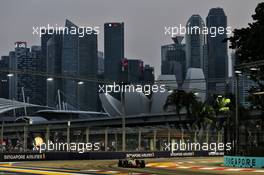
249	46
249	42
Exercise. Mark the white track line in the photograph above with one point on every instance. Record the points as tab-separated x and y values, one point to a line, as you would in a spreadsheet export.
258	171
207	168
184	167
112	172
91	170
162	166
233	169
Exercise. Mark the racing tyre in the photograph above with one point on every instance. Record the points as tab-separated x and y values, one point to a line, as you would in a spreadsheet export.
142	164
120	163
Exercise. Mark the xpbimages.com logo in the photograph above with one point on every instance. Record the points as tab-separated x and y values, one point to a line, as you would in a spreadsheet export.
147	89
79	147
60	30
192	146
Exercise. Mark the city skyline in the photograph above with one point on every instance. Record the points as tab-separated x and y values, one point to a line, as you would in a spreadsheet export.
123	87
140	42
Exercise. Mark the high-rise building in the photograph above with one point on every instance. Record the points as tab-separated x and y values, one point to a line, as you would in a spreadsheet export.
42	65
135	70
54	62
114	50
12	79
70	67
217	52
173	59
244	83
205	61
194	42
79	58
23	59
88	67
43	61
100	62
4	64
39	96
136	73
148	75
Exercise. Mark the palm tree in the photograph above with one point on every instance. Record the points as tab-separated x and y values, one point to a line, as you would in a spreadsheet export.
204	116
175	99
180	100
189	101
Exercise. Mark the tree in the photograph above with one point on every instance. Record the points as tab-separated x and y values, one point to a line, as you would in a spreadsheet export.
204	117
180	99
249	46
249	42
189	101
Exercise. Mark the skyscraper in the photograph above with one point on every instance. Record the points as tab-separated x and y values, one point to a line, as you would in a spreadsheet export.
217	52
148	75
195	42
39	95
79	58
42	65
173	59
135	70
23	59
100	63
54	61
70	66
12	79
88	67
4	64
113	49
244	83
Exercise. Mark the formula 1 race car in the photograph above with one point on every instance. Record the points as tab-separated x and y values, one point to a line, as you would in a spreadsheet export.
131	163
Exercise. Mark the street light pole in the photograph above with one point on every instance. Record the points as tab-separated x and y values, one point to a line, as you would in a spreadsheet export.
68	132
123	121
125	64
59	98
237	115
2	136
79	84
24	100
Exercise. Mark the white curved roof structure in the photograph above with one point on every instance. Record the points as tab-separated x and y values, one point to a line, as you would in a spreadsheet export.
136	103
158	100
31	119
8	105
111	105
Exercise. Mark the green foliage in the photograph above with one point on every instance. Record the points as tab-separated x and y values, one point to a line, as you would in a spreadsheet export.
249	42
223	104
249	45
204	115
181	99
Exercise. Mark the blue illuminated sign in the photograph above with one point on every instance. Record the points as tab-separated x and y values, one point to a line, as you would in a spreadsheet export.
244	162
